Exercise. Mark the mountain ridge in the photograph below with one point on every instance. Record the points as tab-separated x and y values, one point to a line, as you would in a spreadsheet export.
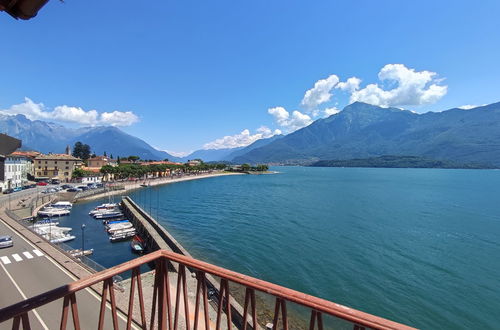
362	130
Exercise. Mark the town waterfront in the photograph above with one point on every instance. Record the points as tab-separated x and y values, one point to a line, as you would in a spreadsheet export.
418	246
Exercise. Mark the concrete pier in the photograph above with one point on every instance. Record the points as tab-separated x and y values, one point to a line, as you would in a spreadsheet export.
157	237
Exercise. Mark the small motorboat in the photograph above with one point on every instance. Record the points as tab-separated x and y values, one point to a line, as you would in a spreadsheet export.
104	207
53	212
109	215
119	226
137	245
121	237
62	205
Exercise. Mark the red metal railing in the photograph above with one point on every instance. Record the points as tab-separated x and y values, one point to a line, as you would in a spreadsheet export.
166	313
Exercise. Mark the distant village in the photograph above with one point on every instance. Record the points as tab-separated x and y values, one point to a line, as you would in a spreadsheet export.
23	169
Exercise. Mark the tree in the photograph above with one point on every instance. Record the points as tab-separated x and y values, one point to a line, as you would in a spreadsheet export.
78	173
81	151
133	158
165	160
105	154
111	156
245	167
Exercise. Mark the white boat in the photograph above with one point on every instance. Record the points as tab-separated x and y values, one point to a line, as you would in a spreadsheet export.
121	237
62	239
108	215
122	231
53	212
118	226
44	224
103	208
62	205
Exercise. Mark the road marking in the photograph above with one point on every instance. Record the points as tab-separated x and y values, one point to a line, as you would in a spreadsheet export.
5	260
38	253
17	257
44	326
28	255
65	271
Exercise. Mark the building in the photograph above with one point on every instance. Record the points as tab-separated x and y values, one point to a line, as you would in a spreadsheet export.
29	160
8	173
100	161
14	173
55	166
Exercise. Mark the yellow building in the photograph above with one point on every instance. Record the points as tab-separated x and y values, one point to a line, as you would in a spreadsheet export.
56	166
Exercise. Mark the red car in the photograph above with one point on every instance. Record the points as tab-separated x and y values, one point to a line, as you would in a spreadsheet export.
41	183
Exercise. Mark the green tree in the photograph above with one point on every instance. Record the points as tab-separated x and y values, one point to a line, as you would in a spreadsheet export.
133	158
105	154
81	151
78	173
245	167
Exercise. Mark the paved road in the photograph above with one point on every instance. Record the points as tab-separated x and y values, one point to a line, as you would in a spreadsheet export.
25	272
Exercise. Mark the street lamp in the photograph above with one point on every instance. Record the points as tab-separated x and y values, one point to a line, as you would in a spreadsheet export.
83	238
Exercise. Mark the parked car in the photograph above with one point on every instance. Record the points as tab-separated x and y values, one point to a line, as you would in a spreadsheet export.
66	186
49	191
55	181
8	191
6	241
99	185
42	183
74	189
83	188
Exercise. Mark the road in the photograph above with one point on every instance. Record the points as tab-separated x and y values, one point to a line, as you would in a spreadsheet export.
25	272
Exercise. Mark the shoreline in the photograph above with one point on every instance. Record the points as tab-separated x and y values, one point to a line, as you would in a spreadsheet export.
129	186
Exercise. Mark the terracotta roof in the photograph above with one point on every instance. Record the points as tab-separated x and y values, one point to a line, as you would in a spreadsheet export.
30	154
57	157
92	169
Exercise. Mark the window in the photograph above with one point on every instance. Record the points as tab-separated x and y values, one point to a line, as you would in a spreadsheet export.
55	162
66	173
67	162
67	167
45	162
39	173
39	167
44	173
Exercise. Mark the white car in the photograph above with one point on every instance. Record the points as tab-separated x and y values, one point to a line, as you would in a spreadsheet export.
6	241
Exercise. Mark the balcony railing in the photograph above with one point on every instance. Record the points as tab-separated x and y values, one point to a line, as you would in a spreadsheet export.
167	311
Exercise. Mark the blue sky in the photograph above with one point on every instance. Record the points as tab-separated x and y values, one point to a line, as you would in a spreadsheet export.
181	74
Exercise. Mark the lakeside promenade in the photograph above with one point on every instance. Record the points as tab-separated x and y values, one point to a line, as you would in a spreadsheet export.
133	185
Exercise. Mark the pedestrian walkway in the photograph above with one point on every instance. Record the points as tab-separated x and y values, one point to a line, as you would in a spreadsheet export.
18	258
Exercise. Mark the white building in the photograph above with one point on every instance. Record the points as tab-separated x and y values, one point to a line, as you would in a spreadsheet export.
15	172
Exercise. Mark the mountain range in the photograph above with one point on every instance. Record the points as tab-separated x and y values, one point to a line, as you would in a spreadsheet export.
362	130
50	137
359	131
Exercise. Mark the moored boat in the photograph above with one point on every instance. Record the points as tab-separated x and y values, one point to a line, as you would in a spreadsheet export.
62	205
53	212
108	215
137	245
121	237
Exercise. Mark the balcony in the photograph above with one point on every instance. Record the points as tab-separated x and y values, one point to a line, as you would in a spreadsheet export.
206	307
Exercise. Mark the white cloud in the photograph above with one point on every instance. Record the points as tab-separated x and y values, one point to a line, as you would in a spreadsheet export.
320	93
69	114
242	139
411	88
330	111
290	123
350	85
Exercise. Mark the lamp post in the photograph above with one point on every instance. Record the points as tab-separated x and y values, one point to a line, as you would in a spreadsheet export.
83	238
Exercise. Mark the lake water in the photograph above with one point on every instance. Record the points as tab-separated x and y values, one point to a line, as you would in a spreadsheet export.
418	246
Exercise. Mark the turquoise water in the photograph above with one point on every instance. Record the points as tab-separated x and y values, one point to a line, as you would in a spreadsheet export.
418	246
